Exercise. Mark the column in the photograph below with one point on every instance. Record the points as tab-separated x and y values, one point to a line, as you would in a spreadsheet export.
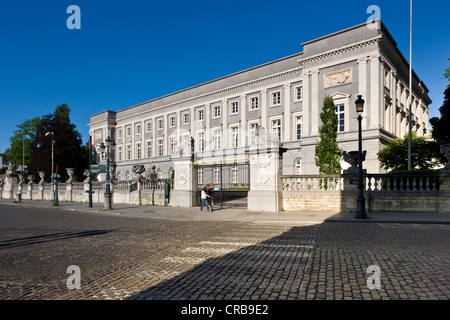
362	85
185	183
375	92
287	122
244	126
315	103
264	106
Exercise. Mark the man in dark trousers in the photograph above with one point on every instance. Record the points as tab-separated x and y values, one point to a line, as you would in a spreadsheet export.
211	197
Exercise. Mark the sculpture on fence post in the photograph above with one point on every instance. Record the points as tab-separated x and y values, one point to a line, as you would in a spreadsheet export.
351	157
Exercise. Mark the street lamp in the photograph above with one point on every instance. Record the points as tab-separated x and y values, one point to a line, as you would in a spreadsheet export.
361	201
108	156
53	165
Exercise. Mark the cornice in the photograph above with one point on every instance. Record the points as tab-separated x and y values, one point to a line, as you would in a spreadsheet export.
340	50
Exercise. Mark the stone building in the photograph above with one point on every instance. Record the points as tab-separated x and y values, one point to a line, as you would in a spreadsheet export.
283	96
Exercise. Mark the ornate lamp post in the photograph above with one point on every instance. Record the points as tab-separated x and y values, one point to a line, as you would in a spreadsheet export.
108	156
361	201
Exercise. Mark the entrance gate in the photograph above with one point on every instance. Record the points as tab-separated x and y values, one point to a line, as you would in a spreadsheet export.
231	183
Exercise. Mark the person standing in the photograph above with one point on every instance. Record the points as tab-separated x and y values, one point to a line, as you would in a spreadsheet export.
211	197
204	199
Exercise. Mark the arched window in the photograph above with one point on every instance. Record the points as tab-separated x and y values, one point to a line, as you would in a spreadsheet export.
119	176
170	172
298	166
127	175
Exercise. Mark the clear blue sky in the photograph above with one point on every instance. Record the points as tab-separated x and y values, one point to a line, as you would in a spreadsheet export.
132	51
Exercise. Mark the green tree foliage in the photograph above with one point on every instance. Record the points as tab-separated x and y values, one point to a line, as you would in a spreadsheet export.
21	142
441	126
425	154
68	149
327	152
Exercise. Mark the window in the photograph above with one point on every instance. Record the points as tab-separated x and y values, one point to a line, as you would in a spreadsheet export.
119	153
138	151
172	145
128	131
160	124
340	111
200	176
129	152
119	133
217	175
234	174
149	149
160	147
298	166
299	93
172	122
234	137
149	127
200	141
254	103
217	139
276	128
253	130
298	127
186	118
216	111
201	115
234	107
138	129
276	98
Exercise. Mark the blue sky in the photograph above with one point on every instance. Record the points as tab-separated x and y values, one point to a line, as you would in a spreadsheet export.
128	52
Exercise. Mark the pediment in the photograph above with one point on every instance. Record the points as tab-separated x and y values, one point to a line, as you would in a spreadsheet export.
340	96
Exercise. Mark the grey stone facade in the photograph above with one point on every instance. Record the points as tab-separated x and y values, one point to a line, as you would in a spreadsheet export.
286	93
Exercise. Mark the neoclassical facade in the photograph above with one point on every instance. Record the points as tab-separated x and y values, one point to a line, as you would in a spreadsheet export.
283	96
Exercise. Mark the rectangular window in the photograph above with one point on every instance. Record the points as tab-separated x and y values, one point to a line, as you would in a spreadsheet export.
129	152
234	174
172	122
138	150
119	153
172	145
276	98
200	141
138	129
217	138
340	111
253	129
149	149
128	131
254	103
216	110
200	176
276	128
234	137
160	124
160	147
299	93
186	118
298	127
201	115
235	107
149	127
216	175
119	133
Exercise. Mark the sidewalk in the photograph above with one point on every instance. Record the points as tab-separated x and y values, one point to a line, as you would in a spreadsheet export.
168	212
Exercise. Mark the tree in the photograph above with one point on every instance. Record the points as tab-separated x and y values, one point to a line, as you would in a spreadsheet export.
68	149
21	142
441	127
425	154
328	154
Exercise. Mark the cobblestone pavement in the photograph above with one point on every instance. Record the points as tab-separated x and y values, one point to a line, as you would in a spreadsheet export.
137	257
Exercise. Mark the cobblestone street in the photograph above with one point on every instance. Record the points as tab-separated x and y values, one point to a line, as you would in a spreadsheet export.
126	257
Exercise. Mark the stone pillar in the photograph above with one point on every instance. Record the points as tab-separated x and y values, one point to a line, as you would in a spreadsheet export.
444	188
185	183
265	174
9	182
